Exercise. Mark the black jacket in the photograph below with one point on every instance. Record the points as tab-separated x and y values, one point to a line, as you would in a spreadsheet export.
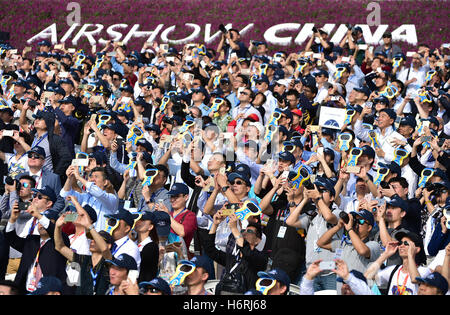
252	260
51	261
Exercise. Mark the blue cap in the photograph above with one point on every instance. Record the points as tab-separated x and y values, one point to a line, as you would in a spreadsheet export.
179	188
262	79
162	223
381	99
58	90
66	81
435	279
22	83
396	201
153	127
359	275
68	100
38	150
325	183
287	156
48	284
391	113
276	274
393	167
124	215
99	156
46	191
44	43
147	145
363	89
124	261
141	102
217	92
409	121
127	88
243	169
113	127
159	284
147	215
51	214
366	215
240	175
198	261
321	72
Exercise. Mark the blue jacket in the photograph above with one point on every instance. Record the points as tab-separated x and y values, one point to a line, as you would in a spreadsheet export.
438	240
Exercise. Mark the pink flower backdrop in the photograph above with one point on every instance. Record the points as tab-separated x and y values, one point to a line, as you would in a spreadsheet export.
25	19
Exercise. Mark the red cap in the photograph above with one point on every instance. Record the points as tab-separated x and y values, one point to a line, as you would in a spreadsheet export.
253	117
297	112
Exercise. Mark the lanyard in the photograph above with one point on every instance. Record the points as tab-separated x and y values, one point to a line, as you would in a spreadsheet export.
180	213
94	278
37	258
115	251
402	288
152	198
74	237
39	140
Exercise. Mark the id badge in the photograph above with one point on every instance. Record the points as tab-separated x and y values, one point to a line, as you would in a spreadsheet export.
282	232
127	204
338	253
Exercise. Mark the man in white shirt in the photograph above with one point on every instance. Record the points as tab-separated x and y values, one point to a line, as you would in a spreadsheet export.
262	85
121	223
245	108
414	76
384	134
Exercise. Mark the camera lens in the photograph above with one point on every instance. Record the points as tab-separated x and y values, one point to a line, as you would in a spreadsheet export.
344	216
9	180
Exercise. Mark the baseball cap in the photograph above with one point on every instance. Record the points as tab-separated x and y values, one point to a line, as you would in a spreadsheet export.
381	99
363	89
409	121
99	156
366	215
153	127
435	279
159	284
297	112
124	215
46	191
262	79
321	72
48	284
178	188
123	261
287	156
396	201
368	150
240	175
162	223
38	150
276	274
355	273
148	216
51	214
197	261
325	183
393	167
411	235
391	113
147	145
127	88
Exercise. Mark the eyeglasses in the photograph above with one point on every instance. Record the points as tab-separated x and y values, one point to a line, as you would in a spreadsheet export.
39	196
148	289
361	221
237	182
403	243
34	156
25	185
245	93
248	231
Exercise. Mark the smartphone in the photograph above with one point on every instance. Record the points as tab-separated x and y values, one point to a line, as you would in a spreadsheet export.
58	47
71	217
320	150
71	50
227	212
362	46
346	59
24	205
309	53
119	142
327	265
410	53
125	100
164	47
64	74
8	133
245	71
316	56
112	54
80	162
423	138
188	77
335	98
203	64
353	169
133	275
285	174
27	50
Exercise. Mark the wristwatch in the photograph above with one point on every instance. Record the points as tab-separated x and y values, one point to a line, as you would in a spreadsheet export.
90	228
292	204
224	189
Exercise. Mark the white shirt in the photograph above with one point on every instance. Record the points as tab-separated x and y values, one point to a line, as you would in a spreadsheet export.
246	110
127	246
142	244
399	279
